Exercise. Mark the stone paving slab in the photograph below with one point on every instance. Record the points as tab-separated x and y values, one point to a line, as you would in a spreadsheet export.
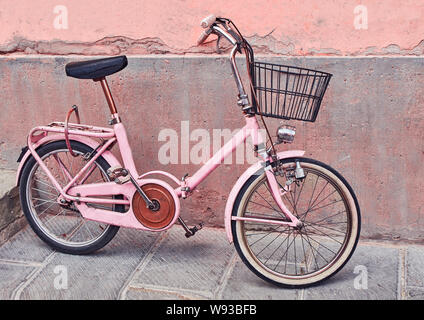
243	284
378	265
10	278
25	246
414	273
146	294
97	276
415	270
144	265
415	293
197	264
150	292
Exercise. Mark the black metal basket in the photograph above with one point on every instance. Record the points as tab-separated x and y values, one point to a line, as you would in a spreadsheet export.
287	92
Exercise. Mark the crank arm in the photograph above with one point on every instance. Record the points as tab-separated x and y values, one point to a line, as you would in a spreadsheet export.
190	231
149	203
121	176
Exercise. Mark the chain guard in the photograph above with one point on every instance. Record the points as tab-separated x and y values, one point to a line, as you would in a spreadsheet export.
163	215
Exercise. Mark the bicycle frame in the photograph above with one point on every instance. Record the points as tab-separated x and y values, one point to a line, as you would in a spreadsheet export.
90	193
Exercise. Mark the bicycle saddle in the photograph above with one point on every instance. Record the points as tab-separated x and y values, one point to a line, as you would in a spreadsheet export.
95	69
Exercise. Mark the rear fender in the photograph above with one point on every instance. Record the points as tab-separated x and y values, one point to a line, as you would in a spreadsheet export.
25	154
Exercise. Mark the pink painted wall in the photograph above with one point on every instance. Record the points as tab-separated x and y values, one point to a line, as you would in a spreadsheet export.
307	27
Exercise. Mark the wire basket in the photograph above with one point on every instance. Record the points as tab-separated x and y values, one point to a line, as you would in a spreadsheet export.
287	92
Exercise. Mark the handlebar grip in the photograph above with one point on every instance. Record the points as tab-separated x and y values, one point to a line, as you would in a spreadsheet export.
205	34
208	21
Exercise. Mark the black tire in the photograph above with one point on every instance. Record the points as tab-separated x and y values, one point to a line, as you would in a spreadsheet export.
252	262
110	230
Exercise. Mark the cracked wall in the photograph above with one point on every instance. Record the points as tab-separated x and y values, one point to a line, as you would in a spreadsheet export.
285	27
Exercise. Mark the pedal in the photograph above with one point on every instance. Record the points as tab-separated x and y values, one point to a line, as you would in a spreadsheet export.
122	179
192	231
112	170
118	174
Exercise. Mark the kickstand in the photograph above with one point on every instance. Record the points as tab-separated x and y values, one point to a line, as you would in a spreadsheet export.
190	231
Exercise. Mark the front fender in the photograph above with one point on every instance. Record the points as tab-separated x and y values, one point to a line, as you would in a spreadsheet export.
107	155
242	180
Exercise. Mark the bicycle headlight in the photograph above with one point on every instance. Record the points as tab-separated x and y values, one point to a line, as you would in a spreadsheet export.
285	133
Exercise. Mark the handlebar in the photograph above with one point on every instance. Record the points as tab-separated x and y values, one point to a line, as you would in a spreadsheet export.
203	36
212	24
208	21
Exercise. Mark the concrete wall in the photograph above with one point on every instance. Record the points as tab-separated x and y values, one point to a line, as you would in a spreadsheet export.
369	128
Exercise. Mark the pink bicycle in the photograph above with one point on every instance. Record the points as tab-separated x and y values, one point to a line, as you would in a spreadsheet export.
294	221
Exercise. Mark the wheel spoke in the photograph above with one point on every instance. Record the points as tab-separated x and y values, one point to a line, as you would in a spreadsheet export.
326	218
331	203
303	184
304	253
278	247
51	205
46	184
322	226
258	253
312	248
39	190
55	216
266	201
262	205
313	191
313	202
323	234
264	236
43	201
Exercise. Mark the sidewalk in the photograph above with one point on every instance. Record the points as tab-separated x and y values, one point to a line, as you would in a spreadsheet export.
144	265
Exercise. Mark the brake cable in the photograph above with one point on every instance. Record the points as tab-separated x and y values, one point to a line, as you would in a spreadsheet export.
247	53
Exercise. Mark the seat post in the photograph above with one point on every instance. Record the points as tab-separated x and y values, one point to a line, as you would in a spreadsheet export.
109	99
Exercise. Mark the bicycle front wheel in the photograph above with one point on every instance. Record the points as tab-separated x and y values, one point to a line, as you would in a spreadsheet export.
297	256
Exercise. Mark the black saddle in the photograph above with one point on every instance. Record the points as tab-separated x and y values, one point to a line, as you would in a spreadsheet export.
96	69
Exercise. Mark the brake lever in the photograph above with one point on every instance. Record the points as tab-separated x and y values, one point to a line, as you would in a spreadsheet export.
219	51
227	28
236	36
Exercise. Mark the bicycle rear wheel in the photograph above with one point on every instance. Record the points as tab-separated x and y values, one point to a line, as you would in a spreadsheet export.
291	256
62	226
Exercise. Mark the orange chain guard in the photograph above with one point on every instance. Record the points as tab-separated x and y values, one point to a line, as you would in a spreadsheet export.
151	219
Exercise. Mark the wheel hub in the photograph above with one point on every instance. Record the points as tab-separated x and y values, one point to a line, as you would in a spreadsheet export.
299	225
